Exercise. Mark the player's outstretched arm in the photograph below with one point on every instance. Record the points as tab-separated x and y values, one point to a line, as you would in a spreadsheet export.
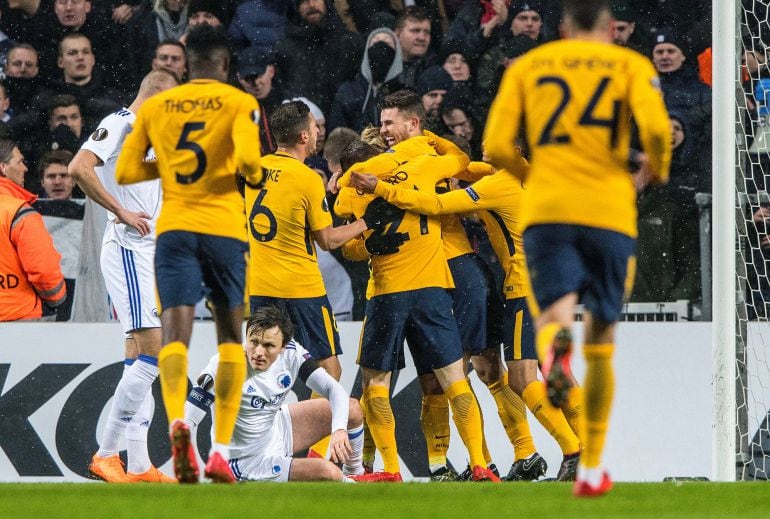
81	169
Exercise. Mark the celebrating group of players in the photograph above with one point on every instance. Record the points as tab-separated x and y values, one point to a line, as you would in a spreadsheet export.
572	209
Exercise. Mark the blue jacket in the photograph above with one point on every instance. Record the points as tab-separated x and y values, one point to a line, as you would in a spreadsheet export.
259	23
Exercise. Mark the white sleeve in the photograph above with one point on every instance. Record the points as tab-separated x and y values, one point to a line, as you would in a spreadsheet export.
323	384
107	137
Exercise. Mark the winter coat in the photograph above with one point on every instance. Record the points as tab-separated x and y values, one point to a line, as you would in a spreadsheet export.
259	23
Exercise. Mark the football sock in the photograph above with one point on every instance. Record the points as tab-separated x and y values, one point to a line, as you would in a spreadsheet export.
136	437
513	415
544	339
172	363
228	384
382	424
484	447
573	412
353	464
369	449
109	443
550	417
435	426
467	418
320	447
599	390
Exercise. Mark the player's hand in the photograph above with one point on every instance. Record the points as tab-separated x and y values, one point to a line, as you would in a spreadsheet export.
339	446
379	244
380	213
138	220
643	176
363	182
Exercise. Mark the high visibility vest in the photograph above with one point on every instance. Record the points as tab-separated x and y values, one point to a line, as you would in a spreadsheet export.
18	299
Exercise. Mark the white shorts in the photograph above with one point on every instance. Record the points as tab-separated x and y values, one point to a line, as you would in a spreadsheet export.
129	276
274	462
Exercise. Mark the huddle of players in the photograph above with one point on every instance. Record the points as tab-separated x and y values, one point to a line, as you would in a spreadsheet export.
408	295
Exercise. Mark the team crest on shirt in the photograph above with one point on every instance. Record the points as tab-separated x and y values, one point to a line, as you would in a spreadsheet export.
255	116
276	470
100	134
284	380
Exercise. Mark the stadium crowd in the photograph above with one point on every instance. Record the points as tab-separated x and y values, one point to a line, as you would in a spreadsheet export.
66	64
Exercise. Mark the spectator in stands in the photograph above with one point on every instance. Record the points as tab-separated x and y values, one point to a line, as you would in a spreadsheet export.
257	76
479	25
24	20
493	64
317	53
5	102
457	115
22	61
123	13
56	180
624	27
527	20
356	102
432	86
413	31
167	20
30	268
208	12
681	88
259	24
21	77
169	54
456	59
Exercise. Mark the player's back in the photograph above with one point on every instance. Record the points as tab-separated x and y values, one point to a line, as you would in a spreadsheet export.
576	97
282	217
191	129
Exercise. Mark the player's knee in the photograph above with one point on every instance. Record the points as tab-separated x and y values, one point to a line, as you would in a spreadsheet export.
355	416
330	472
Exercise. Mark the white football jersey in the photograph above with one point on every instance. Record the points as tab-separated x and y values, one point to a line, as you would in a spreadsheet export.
106	143
263	393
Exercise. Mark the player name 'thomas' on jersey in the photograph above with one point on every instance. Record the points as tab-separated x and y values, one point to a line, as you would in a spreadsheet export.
282	217
576	99
497	198
421	261
106	143
203	133
263	394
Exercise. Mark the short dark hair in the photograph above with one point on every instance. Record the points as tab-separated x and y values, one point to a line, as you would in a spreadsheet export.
169	41
268	317
206	44
288	121
584	13
60	157
6	150
61	100
405	101
356	151
73	36
412	13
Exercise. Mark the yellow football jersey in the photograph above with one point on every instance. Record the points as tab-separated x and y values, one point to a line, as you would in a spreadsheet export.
500	195
453	233
421	261
203	132
282	217
575	100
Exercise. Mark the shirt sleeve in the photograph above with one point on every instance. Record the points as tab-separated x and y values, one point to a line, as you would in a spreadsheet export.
131	166
381	165
246	140
427	203
504	120
106	138
317	210
323	384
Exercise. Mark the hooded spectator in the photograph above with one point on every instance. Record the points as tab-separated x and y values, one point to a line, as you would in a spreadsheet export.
432	86
356	103
457	59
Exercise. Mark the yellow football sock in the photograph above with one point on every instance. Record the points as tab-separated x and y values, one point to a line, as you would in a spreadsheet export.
573	412
172	365
368	452
435	427
467	417
382	425
513	415
484	446
599	390
228	384
544	339
321	446
552	418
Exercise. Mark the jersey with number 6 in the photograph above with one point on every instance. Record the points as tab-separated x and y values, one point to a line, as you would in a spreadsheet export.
203	132
282	217
575	100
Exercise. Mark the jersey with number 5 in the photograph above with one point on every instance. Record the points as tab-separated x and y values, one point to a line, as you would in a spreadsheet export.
202	132
575	100
282	217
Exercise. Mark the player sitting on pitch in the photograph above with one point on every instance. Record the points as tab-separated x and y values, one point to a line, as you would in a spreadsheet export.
268	431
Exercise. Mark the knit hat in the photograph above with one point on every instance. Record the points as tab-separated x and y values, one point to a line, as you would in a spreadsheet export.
518	7
215	7
454	47
253	62
666	35
518	46
622	12
434	78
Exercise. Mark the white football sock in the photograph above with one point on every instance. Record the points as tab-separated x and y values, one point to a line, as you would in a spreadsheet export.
136	436
353	465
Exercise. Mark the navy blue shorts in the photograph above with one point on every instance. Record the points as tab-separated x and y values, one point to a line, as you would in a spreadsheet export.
574	258
313	320
421	317
190	266
469	302
518	331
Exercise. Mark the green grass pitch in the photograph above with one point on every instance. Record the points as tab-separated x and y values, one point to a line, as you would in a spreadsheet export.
332	500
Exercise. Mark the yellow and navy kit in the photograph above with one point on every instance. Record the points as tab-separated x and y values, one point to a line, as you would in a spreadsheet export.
421	262
282	217
203	132
575	100
499	196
